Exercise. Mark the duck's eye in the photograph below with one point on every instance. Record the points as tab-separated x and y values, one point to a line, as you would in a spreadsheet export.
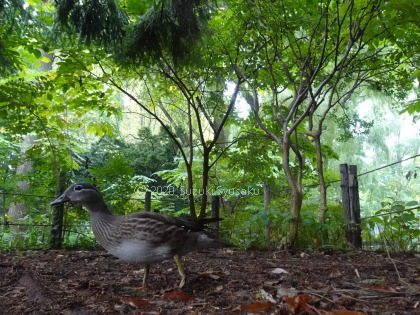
78	187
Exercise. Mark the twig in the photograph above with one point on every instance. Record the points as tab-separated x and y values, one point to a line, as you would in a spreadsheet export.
396	269
321	296
392	260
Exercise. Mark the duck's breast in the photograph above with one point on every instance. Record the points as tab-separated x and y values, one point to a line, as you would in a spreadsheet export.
140	251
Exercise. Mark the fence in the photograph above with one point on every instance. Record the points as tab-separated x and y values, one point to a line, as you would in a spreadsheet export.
350	201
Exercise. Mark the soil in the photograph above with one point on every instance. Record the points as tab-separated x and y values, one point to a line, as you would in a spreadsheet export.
222	281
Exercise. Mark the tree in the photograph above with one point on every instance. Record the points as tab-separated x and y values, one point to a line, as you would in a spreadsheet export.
194	90
311	63
184	92
37	105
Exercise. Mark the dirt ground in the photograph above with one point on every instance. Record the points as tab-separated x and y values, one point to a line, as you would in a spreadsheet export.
221	281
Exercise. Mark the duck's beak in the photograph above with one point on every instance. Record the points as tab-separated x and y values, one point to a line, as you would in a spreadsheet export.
60	200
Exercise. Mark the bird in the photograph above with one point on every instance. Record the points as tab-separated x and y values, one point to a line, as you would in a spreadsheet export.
141	237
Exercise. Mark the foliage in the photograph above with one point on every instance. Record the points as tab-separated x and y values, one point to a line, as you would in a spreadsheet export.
118	183
399	230
312	233
37	236
304	68
94	21
167	29
126	170
309	64
151	153
148	31
18	27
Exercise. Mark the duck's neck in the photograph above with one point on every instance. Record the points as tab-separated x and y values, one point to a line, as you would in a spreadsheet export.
98	208
101	219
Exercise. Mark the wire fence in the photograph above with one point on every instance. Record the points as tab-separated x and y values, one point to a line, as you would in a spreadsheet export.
304	186
6	222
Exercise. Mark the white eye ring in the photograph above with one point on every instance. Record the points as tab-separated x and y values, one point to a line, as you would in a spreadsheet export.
78	187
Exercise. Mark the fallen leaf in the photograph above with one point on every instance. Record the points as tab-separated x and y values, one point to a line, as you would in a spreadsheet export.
254	307
266	296
211	274
136	302
207	272
298	304
386	288
175	295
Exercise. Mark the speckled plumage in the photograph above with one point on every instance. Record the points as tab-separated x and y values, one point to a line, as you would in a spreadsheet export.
141	237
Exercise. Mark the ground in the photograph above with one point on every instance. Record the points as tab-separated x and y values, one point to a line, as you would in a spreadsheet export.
223	281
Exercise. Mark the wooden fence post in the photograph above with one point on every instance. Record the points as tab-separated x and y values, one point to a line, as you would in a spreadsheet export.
58	214
148	201
351	203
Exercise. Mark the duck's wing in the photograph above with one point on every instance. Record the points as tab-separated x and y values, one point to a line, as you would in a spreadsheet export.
188	224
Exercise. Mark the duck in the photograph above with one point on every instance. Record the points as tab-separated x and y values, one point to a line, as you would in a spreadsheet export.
141	237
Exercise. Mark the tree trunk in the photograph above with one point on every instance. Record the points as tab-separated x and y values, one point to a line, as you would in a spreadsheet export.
296	194
205	183
190	190
296	198
58	215
267	201
323	206
19	210
215	213
222	140
182	136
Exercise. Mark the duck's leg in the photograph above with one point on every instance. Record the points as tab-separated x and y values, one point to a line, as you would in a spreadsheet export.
180	270
145	284
146	277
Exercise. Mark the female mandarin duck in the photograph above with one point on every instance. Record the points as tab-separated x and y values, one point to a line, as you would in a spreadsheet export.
141	237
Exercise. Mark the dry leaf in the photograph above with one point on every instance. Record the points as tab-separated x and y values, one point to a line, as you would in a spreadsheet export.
207	272
386	288
211	274
298	304
136	302
266	296
254	307
175	295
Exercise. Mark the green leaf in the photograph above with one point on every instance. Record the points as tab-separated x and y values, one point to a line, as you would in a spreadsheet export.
411	203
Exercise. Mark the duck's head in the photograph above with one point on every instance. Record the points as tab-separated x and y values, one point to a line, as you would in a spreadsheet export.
83	193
